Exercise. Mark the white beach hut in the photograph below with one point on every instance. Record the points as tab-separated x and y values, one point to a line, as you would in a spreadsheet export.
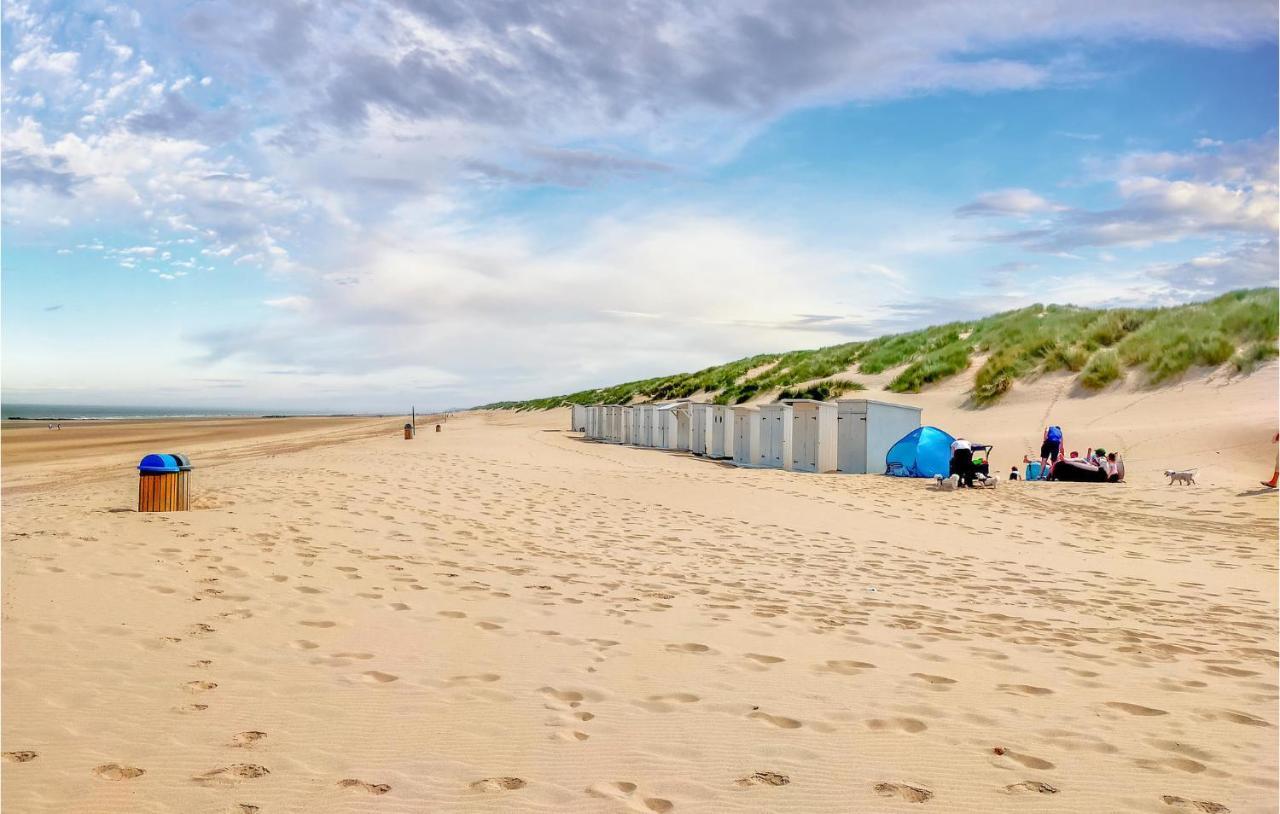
867	429
615	423
699	428
649	423
722	432
577	418
606	422
624	425
746	436
813	439
591	421
637	426
675	425
775	425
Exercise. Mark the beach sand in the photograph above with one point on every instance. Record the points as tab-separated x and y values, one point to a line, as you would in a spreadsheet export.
506	617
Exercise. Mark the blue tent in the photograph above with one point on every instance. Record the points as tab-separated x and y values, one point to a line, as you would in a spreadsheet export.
921	453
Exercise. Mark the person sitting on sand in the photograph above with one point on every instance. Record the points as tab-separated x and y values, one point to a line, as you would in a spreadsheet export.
962	461
1115	468
1051	446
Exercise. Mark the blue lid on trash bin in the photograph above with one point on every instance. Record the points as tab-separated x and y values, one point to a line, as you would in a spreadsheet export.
184	463
157	464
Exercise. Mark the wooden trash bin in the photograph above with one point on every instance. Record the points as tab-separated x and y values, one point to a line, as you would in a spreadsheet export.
164	483
408	432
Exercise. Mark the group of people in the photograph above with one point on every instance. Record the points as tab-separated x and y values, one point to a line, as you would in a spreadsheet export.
969	462
1098	463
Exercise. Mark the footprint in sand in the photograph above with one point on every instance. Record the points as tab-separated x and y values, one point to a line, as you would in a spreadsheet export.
376	677
368	788
1030	761
763	659
614	790
1182	764
492	784
763	779
189	708
935	682
245	808
1030	786
247	739
846	667
1135	709
303	644
688	647
114	771
23	756
571	697
622	790
317	623
1235	718
912	794
1024	689
1183	804
452	614
200	686
901	724
228	775
780	721
571	735
478	678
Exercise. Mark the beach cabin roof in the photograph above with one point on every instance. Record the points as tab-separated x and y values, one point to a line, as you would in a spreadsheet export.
803	401
883	403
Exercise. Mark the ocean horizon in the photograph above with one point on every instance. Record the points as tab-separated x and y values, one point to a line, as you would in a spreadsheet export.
38	411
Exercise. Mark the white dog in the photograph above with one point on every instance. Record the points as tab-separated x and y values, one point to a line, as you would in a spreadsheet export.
1187	477
947	484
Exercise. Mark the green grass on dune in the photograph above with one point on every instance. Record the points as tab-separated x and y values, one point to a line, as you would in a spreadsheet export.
824	390
1097	345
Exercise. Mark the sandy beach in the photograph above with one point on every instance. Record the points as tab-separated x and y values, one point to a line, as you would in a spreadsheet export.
505	617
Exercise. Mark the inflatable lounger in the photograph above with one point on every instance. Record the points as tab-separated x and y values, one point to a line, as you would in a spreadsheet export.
1071	469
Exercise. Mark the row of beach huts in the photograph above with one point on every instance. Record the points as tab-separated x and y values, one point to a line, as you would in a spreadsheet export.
803	435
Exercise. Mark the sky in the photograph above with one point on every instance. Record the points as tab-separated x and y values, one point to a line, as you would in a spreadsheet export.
361	206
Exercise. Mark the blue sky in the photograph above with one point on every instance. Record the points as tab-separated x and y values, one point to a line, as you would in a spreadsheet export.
354	207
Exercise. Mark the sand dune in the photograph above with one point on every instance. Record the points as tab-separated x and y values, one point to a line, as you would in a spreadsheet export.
505	617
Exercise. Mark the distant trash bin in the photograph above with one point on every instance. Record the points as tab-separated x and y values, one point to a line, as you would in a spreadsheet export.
408	432
164	483
437	428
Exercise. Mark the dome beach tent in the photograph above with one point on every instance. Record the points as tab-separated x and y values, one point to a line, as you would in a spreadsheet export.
921	453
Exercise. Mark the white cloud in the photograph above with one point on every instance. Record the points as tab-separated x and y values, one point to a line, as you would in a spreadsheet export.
1161	198
1009	202
677	291
291	303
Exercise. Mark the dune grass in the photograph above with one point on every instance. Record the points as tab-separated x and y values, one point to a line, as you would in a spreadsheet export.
1102	369
1097	345
822	391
